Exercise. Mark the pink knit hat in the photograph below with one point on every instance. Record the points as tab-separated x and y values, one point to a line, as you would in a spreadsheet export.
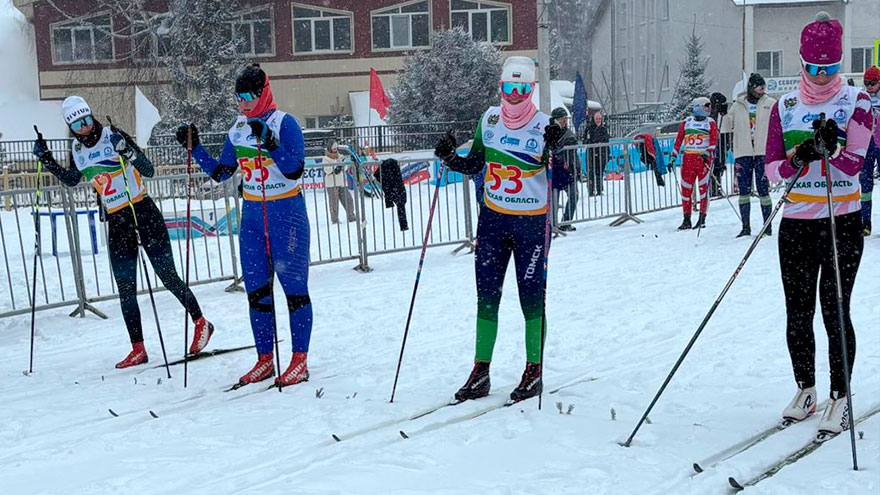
821	41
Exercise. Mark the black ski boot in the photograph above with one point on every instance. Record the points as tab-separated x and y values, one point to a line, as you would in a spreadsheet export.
686	224
745	232
477	384
701	222
530	385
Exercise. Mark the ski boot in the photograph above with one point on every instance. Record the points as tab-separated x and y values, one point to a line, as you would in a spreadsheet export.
530	385
745	232
835	419
477	384
204	329
701	222
138	355
264	369
297	372
685	224
801	407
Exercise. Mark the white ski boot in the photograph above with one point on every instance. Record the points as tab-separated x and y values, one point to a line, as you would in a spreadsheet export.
835	419
801	407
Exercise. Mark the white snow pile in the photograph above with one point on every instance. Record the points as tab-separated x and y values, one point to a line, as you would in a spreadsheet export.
622	304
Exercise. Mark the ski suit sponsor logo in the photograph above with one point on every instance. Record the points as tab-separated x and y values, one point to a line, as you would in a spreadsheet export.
809	117
493	120
840	116
787	118
108	151
843	101
532	145
488	136
508	140
790	102
94	154
533	262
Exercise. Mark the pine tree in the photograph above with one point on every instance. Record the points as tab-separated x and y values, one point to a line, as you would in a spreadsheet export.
692	79
456	80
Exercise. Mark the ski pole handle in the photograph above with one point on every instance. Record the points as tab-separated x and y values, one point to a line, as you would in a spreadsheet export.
39	134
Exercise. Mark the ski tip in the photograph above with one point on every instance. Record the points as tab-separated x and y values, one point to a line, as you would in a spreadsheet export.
154	415
623	444
335	437
113	413
235	387
403	434
697	468
735	484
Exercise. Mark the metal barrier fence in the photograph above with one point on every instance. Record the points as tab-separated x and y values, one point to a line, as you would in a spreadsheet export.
74	266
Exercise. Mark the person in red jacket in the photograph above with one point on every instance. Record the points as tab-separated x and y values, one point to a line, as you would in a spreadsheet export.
697	138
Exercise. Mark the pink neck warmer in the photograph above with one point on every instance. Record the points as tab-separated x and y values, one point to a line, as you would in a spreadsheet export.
814	94
516	115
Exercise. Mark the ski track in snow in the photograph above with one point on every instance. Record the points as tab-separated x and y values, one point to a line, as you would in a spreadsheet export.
622	304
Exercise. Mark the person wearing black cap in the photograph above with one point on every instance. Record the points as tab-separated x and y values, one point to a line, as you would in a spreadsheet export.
564	173
748	119
267	145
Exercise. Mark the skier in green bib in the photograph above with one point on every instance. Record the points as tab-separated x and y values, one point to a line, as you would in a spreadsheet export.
508	149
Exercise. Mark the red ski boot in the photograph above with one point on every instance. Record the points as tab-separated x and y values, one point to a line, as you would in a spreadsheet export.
265	368
201	336
138	355
530	385
297	372
477	384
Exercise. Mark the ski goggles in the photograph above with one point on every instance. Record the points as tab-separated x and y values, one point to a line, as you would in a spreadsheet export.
78	124
523	89
246	97
815	69
872	83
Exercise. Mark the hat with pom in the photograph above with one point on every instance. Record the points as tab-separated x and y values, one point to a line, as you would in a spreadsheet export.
822	41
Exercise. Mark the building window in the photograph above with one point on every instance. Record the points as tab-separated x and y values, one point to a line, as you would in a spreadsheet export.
254	32
320	121
318	30
861	59
83	41
663	7
485	21
402	26
769	64
151	44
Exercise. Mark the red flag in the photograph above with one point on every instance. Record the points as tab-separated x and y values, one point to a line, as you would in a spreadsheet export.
378	99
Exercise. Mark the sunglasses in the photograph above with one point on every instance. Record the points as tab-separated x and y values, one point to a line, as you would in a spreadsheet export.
246	97
508	88
872	83
814	69
78	124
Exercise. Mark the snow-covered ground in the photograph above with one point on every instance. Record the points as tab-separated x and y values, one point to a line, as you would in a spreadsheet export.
622	304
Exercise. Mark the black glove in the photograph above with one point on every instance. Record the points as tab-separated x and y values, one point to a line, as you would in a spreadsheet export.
828	134
552	134
337	169
260	129
121	145
182	132
805	153
445	148
41	150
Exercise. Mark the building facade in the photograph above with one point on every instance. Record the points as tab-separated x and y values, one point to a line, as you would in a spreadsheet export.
315	51
639	45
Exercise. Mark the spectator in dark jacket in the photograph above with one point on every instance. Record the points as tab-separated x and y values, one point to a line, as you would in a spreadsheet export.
564	170
597	134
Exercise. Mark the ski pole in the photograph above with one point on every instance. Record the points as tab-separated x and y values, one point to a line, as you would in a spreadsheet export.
412	300
38	196
188	241
137	234
826	171
546	257
717	302
264	174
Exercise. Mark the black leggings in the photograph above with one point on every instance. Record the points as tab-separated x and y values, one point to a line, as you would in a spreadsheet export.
804	253
123	248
